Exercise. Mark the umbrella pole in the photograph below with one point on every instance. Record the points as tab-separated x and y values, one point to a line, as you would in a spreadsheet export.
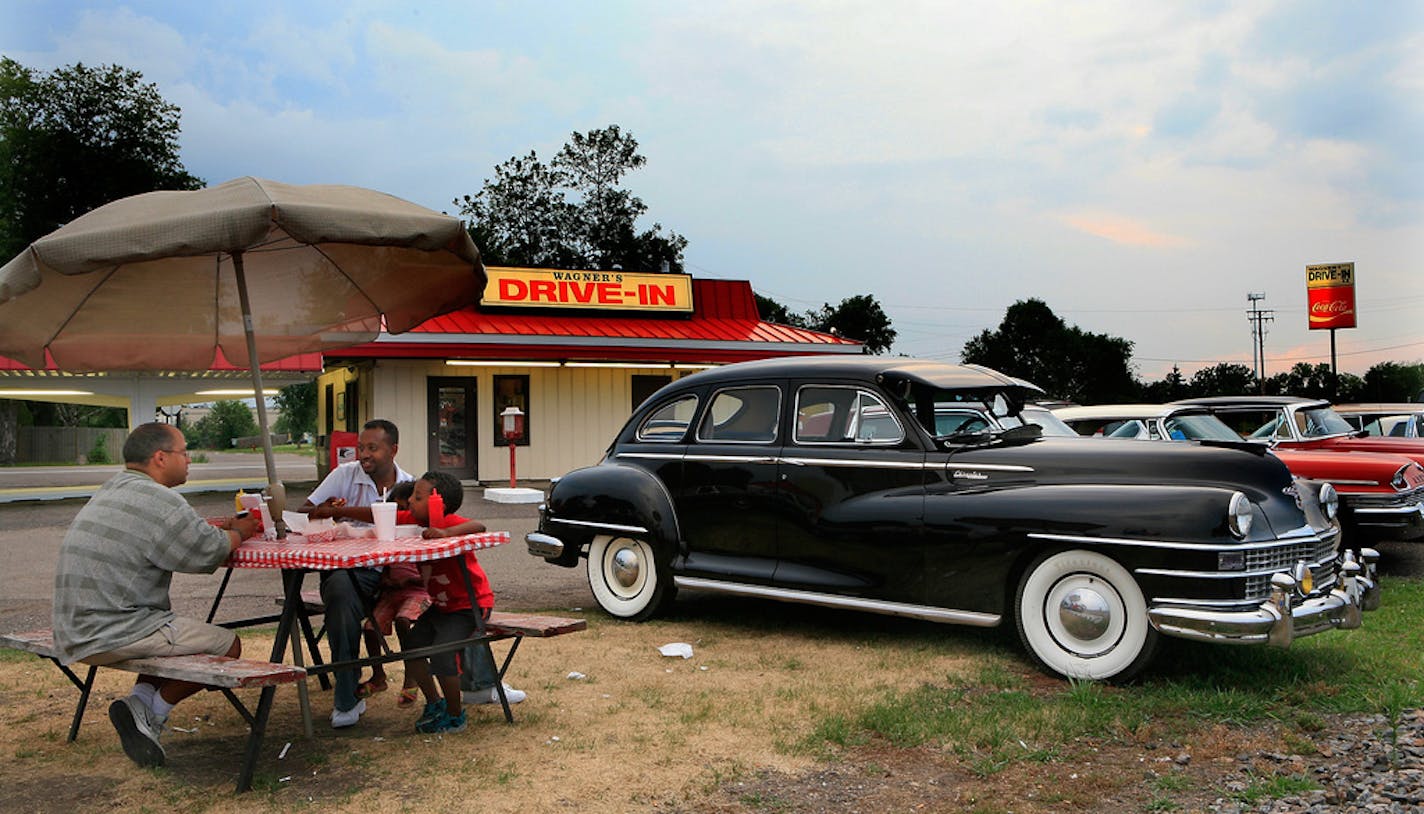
275	490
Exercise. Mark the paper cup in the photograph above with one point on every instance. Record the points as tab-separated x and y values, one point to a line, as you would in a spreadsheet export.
384	516
269	524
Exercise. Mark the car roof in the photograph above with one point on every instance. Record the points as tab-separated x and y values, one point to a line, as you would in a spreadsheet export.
919	371
1250	401
1398	408
1124	411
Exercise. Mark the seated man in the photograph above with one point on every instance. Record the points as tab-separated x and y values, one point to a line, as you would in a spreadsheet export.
347	493
111	582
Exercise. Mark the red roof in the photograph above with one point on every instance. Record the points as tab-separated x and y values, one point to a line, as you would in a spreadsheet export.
724	327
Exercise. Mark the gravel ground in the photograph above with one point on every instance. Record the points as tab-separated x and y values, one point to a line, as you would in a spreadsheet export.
1368	764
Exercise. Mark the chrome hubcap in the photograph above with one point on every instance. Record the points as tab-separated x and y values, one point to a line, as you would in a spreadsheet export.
1085	614
626	567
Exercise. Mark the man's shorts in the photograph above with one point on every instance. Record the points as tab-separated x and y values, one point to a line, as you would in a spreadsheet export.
180	637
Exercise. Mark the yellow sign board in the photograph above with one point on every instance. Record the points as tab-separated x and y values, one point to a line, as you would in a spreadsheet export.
1329	275
595	290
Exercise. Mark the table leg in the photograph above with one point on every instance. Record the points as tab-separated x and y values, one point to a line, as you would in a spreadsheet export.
291	608
222	588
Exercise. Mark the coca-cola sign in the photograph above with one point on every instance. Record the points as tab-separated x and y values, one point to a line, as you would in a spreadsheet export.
1330	290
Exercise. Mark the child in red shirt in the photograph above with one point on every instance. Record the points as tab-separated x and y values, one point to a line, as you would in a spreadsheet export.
451	614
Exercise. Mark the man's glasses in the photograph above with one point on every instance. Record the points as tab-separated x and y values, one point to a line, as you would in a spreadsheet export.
185	453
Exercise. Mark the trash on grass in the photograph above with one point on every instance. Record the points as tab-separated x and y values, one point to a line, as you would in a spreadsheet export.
577	676
283	754
674	649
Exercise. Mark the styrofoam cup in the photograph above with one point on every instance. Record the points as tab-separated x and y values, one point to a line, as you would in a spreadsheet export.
384	516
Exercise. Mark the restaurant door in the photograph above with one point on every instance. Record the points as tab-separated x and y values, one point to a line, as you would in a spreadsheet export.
451	420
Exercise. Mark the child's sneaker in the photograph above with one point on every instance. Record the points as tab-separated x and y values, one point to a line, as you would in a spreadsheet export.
434	711
446	723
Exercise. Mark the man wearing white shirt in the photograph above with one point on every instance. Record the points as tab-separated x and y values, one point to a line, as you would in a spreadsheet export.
347	494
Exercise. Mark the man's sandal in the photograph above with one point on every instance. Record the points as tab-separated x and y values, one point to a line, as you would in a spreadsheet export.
407	698
366	689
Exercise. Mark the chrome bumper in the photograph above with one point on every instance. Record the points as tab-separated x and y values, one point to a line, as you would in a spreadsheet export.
544	545
1287	615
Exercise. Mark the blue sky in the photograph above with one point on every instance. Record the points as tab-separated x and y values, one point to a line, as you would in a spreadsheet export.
1140	167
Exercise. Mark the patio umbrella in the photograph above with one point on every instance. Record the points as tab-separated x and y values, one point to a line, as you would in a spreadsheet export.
259	269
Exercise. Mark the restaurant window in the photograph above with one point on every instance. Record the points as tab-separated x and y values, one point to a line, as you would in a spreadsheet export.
511	391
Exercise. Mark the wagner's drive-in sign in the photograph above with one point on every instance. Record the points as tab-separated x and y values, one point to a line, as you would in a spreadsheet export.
605	290
1330	289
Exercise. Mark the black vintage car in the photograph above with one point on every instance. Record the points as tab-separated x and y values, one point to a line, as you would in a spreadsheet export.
823	481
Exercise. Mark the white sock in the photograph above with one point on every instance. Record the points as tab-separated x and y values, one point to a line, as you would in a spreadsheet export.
145	692
160	707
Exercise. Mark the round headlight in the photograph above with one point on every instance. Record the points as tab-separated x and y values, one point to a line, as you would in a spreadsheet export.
1238	516
1329	502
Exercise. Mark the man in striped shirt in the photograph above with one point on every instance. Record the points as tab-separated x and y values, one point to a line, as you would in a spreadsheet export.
111	582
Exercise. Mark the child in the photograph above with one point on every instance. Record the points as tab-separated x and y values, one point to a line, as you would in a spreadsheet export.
403	599
450	617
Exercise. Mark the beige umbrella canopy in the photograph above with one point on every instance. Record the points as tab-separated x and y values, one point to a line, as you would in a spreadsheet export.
262	270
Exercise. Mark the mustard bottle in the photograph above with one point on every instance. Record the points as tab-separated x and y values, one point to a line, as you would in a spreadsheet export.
237	500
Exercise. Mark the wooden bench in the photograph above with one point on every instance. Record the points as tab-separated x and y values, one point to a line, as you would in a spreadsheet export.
501	626
218	672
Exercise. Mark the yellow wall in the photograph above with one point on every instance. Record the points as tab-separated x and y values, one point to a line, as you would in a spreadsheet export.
574	413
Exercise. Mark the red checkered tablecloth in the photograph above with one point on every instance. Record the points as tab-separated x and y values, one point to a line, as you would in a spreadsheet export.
363	552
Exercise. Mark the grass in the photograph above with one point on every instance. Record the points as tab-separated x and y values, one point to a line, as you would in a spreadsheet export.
309	450
993	716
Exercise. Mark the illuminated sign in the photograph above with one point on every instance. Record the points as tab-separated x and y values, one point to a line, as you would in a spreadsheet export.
597	290
1330	290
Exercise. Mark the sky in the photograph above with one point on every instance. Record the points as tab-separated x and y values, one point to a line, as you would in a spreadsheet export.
1140	167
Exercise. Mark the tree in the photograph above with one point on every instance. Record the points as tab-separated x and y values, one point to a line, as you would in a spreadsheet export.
1224	379
860	318
571	212
1393	381
227	420
1033	343
1173	386
298	405
75	139
70	141
772	311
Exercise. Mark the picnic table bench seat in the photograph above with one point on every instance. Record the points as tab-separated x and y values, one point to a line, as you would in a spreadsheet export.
218	672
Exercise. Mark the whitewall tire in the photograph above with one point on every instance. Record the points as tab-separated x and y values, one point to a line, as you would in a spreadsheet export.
626	578
1081	615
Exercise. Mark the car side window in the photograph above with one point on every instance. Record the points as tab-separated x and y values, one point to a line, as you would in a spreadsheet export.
669	423
840	415
742	415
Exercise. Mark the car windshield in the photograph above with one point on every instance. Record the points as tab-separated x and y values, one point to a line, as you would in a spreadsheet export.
1198	427
1318	422
1051	424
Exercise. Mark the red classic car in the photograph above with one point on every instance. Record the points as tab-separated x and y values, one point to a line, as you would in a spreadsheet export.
1381	496
1291	422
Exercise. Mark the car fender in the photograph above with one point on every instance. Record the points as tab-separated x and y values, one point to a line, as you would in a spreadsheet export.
611	498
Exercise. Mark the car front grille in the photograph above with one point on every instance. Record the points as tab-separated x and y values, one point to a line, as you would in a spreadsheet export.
1320	554
1398	500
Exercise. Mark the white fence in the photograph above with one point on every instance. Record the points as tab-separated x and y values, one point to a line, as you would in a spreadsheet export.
45	445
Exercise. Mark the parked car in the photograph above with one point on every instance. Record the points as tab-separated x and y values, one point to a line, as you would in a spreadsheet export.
1402	420
1292	422
1381	496
831	482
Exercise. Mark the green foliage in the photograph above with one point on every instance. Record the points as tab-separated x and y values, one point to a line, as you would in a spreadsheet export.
99	453
227	420
298	405
1033	343
570	213
1224	379
1392	381
56	414
76	138
1002	715
860	318
1315	381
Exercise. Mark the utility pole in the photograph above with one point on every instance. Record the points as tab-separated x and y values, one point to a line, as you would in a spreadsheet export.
1258	319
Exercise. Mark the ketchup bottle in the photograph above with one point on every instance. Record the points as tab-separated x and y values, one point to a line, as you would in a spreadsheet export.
436	505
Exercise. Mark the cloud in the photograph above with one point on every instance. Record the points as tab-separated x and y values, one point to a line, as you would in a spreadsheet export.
1122	230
